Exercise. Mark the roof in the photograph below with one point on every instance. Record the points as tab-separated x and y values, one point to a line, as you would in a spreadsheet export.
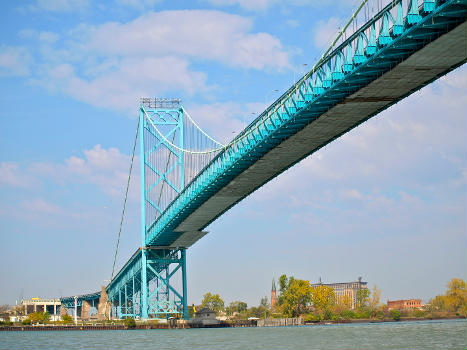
205	310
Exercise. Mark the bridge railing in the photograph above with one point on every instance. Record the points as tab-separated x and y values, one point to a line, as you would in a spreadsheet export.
360	46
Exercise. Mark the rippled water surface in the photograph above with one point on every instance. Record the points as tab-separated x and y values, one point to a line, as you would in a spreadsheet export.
450	334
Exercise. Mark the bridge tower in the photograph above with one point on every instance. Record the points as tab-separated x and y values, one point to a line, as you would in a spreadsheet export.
161	139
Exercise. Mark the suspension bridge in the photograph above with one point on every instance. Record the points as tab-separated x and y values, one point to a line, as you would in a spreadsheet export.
385	52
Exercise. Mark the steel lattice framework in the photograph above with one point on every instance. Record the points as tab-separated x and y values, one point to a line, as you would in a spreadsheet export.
394	53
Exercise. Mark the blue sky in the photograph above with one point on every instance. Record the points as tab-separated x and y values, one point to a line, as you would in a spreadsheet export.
387	201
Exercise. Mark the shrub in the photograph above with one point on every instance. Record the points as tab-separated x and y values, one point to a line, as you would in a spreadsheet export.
130	322
348	314
67	319
26	322
396	315
312	318
328	314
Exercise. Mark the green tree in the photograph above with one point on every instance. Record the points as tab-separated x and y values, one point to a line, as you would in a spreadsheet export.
39	317
396	315
296	297
67	318
213	301
363	298
283	284
236	307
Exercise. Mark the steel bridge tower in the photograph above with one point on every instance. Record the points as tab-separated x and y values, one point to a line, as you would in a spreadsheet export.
162	162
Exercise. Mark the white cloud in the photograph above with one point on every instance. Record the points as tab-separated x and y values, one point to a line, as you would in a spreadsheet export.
246	4
325	32
200	34
11	175
120	88
262	5
14	61
153	55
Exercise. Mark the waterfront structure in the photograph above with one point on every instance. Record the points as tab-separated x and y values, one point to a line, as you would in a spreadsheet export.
188	179
345	289
404	304
52	306
273	294
205	317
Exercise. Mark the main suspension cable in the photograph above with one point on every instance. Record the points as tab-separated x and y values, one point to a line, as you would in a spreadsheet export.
124	202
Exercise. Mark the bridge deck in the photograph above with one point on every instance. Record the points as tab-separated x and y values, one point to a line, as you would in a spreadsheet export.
397	71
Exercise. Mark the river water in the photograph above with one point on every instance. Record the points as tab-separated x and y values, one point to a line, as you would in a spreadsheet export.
446	334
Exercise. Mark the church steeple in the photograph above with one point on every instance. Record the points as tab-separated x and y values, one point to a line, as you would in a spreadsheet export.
273	294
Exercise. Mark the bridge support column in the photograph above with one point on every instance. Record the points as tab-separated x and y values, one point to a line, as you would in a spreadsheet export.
184	301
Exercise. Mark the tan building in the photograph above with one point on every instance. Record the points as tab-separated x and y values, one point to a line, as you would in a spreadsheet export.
345	289
52	306
404	304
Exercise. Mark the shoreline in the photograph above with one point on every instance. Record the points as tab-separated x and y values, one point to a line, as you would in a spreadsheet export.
53	327
386	320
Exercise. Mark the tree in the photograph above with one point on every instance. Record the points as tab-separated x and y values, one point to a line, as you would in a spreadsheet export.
213	301
296	297
454	300
283	283
130	322
396	315
4	308
323	297
236	307
67	318
375	298
39	317
264	303
363	298
456	296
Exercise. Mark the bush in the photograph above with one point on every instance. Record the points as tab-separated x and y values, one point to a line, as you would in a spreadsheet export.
396	315
348	314
419	313
26	322
130	322
67	319
328	314
312	318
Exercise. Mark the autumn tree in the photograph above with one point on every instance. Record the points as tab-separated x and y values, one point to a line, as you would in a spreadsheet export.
456	296
375	298
454	300
295	297
323	298
213	302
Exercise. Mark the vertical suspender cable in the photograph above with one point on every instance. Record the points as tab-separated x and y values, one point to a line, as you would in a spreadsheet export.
124	202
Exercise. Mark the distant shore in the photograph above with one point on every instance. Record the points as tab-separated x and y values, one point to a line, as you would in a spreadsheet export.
184	325
372	320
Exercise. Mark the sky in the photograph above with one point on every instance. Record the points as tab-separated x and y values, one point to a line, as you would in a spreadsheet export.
386	201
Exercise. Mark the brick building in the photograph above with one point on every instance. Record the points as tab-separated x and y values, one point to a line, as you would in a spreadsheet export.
404	304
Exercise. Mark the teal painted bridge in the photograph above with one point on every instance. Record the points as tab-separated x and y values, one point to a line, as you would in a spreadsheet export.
189	179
